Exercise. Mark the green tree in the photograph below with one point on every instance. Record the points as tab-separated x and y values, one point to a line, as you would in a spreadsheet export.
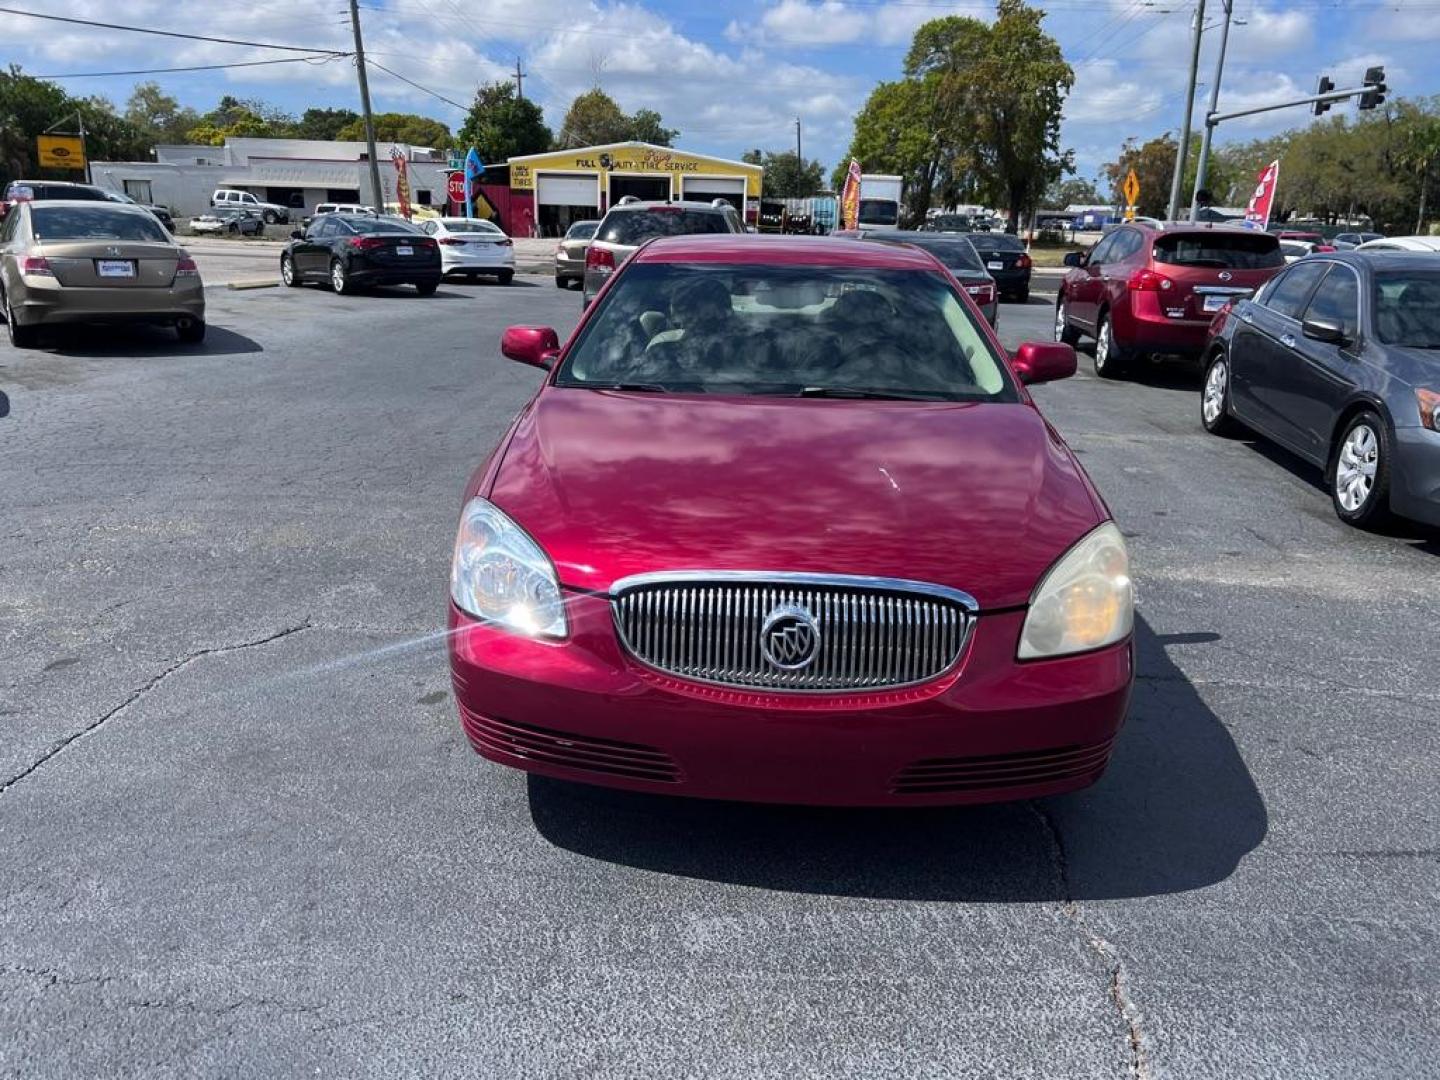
1071	191
897	132
401	128
501	125
324	123
27	107
594	119
1154	164
783	178
646	126
157	116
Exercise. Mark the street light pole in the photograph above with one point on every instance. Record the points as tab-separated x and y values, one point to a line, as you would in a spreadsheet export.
799	161
365	107
1184	149
1202	167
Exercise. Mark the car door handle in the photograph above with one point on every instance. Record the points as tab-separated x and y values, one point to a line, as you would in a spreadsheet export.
1288	340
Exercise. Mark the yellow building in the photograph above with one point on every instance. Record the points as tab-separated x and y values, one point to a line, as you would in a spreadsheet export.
564	186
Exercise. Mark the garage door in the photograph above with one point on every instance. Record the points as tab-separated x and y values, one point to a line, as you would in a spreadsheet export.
712	187
553	190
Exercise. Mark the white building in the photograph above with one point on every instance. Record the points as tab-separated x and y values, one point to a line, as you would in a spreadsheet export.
298	173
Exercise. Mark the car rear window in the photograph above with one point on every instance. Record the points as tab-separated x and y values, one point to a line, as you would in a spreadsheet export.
105	222
470	227
60	191
1407	309
955	254
787	330
637	226
582	230
1226	251
375	225
996	242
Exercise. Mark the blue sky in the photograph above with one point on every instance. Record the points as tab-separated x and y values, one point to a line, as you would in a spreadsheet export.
733	75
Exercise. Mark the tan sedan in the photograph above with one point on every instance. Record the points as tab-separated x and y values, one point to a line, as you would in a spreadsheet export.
65	261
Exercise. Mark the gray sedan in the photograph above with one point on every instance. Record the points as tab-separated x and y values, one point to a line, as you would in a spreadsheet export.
1337	359
959	257
570	255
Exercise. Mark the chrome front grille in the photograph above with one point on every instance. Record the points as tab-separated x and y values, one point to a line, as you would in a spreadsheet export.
792	631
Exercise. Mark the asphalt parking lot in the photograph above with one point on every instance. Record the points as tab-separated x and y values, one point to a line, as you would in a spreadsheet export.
242	834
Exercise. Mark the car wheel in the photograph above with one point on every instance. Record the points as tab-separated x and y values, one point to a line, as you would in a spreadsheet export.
339	280
21	337
561	283
1110	358
1023	296
1360	472
270	217
1215	398
1064	332
233	230
426	288
507	276
287	272
191	331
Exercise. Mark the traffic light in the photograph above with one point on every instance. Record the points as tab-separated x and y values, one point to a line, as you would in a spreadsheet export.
1375	96
1323	87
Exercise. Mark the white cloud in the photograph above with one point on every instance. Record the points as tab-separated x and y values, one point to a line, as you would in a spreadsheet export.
820	24
1101	94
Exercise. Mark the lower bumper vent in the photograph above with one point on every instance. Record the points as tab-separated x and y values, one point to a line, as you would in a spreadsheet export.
937	775
552	747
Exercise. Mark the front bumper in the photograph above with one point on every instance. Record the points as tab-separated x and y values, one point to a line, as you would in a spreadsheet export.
990	729
1415	477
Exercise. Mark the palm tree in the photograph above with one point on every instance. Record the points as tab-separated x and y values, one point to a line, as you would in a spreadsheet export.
1420	151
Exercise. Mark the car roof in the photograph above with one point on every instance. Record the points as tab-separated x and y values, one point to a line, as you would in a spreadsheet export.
93	204
1382	260
741	248
1407	243
650	204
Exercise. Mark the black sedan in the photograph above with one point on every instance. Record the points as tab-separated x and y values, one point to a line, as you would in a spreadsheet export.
351	252
958	256
1337	359
1008	262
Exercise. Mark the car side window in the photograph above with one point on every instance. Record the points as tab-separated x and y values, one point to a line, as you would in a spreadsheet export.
1103	251
7	230
1287	295
1338	300
323	229
1127	243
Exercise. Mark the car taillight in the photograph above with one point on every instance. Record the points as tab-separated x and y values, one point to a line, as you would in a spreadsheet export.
450	241
1023	262
186	267
507	242
599	259
1323	247
36	265
983	294
366	243
1148	281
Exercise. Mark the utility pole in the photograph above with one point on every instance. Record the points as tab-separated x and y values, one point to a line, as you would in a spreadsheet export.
1202	167
1183	150
369	116
799	161
519	80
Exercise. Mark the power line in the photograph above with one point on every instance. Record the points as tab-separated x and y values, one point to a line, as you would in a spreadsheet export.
322	57
168	33
417	86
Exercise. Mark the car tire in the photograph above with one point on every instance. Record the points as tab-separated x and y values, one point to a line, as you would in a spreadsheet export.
233	230
1023	296
339	279
288	273
1064	332
561	283
269	217
1215	398
21	337
1359	473
1110	361
426	288
192	333
507	276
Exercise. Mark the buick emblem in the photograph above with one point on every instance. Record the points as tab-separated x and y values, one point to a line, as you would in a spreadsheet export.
790	638
1225	275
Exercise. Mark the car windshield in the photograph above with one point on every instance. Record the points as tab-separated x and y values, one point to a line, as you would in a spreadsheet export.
379	225
996	242
785	331
955	252
470	227
1407	309
1227	251
107	222
637	226
582	230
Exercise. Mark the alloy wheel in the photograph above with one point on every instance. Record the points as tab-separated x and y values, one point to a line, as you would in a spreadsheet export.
1212	405
1060	321
287	271
1356	466
337	276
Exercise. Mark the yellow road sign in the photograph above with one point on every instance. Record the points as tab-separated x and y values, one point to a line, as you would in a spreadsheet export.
61	152
1132	188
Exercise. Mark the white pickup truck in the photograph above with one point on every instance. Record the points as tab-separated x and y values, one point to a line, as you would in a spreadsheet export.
271	213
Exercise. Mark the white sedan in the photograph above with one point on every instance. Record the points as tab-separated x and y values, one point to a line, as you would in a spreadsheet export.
1403	243
473	247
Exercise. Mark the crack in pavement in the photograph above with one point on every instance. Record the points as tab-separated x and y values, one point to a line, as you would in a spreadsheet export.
137	694
1119	990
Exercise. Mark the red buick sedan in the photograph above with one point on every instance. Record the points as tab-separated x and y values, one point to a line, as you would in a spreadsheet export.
782	524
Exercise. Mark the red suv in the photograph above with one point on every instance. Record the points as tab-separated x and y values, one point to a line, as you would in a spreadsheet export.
1144	289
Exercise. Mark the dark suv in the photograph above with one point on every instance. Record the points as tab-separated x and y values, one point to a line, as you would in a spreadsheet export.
631	222
1146	289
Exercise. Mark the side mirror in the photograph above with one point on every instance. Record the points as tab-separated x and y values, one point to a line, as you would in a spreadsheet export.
1326	330
1074	258
534	345
1043	361
296	234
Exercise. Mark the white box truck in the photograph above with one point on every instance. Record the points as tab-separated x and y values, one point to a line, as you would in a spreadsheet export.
880	200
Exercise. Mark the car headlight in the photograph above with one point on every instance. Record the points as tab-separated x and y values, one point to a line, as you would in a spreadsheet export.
1429	402
1084	602
501	576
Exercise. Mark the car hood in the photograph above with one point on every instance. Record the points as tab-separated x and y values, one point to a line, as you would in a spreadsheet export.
978	497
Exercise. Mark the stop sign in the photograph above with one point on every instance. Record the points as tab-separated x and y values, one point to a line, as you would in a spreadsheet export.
455	187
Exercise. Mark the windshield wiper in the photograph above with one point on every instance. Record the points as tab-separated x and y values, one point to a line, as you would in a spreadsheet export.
859	393
629	387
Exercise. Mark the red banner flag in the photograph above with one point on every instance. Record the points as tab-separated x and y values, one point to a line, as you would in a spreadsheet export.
850	197
402	181
1257	212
